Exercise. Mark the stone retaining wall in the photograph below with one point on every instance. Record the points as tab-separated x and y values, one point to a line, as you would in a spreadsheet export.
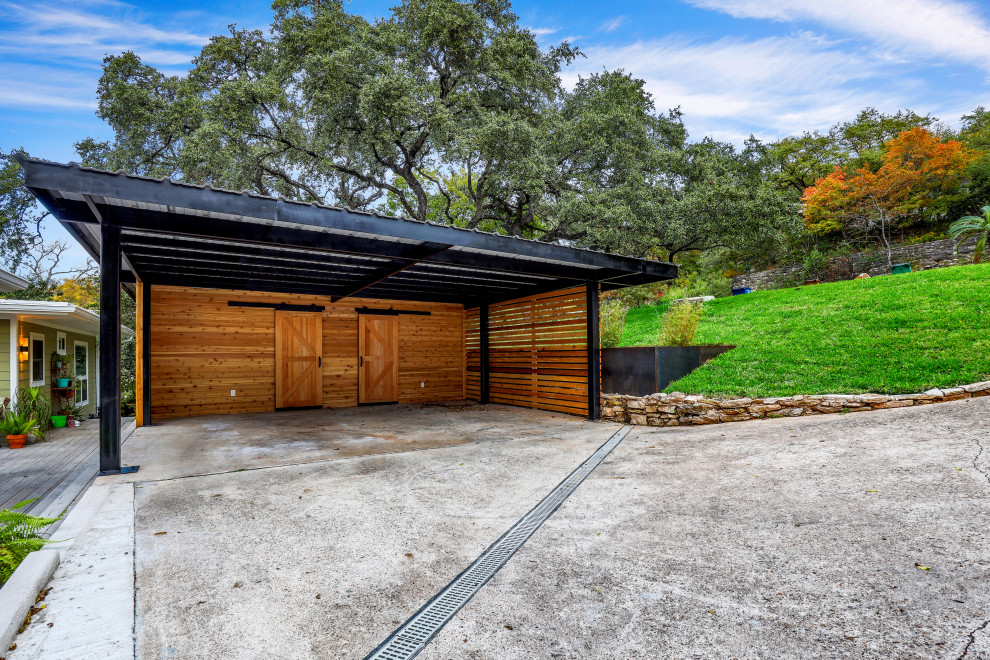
679	409
923	256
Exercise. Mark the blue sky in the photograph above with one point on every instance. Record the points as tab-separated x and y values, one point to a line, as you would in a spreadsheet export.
735	67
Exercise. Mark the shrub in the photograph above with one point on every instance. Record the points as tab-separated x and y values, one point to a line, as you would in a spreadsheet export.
637	296
31	402
612	322
18	537
700	283
679	325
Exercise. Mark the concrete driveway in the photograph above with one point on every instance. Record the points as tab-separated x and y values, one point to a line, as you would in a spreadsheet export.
861	536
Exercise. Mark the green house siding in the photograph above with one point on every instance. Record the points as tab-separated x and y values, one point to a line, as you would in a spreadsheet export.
4	359
50	335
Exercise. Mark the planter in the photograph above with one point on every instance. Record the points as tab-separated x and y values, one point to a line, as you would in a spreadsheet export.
17	441
645	370
62	382
58	421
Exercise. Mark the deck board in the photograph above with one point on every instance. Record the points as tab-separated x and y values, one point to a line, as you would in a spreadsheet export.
53	472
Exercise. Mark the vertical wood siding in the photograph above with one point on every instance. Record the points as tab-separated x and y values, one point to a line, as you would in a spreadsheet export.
538	352
201	348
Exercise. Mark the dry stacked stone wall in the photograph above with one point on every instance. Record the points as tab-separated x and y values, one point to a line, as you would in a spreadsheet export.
677	409
923	256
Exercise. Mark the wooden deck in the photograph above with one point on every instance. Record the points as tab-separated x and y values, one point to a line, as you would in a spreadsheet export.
53	472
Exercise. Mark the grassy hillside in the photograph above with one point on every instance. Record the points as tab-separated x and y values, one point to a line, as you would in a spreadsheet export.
891	334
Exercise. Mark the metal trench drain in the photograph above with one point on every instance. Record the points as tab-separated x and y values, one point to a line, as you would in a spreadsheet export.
412	637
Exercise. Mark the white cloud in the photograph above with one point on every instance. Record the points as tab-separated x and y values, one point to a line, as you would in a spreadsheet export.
613	24
774	87
912	28
542	32
83	37
52	52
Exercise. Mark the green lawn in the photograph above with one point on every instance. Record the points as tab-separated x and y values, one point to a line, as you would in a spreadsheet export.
891	334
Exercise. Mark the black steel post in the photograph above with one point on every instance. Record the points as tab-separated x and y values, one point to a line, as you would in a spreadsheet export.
110	262
594	355
485	376
145	340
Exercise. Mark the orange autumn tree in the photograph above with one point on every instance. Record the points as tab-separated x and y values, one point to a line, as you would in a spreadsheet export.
919	177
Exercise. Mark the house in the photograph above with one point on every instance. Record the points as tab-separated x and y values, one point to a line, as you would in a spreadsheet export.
249	303
37	335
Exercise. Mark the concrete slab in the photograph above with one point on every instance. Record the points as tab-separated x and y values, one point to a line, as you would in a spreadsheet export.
89	612
857	536
226	443
326	559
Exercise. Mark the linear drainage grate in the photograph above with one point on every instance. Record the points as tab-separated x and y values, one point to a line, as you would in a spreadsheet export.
413	636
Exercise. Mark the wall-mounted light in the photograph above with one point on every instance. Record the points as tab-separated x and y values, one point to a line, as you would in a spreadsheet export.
22	348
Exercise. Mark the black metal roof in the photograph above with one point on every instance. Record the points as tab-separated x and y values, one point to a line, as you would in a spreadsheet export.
183	234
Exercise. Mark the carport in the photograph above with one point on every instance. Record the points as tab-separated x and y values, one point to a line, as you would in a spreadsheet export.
249	303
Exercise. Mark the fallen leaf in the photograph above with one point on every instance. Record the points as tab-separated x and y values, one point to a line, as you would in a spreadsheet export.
871	491
711	611
508	626
924	568
409	554
160	533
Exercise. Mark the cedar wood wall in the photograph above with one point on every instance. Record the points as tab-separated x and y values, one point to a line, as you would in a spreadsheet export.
201	348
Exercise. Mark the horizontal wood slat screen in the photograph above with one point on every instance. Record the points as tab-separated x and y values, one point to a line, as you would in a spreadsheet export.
472	351
538	352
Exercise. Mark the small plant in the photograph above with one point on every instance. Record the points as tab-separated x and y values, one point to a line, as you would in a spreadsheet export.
612	322
972	225
679	325
19	536
14	424
32	403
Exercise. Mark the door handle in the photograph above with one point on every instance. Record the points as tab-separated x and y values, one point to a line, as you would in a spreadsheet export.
319	361
361	363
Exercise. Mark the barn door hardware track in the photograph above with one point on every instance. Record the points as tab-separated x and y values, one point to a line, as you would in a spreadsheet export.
412	637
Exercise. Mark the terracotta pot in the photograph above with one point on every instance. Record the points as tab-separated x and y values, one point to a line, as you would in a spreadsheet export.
17	441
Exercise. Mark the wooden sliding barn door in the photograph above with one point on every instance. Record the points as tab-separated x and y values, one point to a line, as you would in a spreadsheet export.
378	343
298	359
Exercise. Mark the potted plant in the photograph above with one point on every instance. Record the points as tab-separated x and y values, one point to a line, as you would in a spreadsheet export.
60	368
73	412
32	403
17	428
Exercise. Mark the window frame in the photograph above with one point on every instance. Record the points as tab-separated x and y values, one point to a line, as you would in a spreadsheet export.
61	344
75	376
33	337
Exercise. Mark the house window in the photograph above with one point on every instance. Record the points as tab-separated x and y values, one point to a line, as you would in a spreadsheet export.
82	372
37	359
60	343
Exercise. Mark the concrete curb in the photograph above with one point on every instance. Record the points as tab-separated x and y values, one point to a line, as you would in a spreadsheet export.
21	591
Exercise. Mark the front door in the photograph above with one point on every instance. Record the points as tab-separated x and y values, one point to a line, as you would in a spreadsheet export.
298	359
378	342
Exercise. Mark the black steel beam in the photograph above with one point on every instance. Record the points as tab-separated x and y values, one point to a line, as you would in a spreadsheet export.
41	175
393	267
268	272
109	353
142	253
245	251
237	236
484	386
145	340
594	355
276	287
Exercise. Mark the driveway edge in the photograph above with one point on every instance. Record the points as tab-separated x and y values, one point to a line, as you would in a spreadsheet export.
21	591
